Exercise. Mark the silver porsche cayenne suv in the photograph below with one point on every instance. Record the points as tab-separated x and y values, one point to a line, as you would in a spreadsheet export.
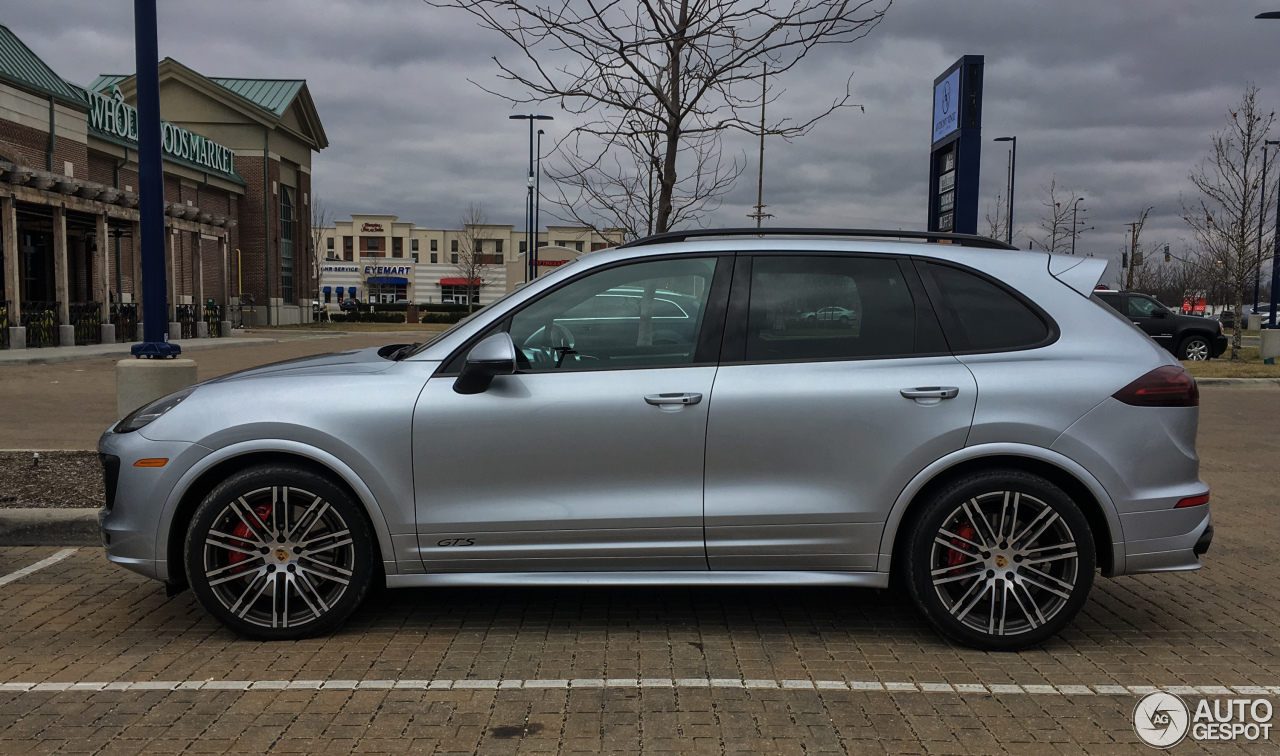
977	430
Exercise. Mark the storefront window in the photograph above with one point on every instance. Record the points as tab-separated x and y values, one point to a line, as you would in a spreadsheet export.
454	294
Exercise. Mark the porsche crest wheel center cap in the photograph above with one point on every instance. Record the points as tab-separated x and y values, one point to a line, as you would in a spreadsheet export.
283	555
1001	560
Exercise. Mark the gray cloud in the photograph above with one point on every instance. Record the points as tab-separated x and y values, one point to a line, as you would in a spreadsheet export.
1115	99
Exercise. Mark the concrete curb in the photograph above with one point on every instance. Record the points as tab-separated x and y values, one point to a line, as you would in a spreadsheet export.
1240	382
57	355
49	527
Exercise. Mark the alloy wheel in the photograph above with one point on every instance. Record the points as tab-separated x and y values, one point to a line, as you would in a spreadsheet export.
1197	350
278	557
1004	563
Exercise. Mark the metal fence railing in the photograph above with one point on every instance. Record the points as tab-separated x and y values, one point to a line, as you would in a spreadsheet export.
213	319
125	318
87	318
41	319
187	315
4	324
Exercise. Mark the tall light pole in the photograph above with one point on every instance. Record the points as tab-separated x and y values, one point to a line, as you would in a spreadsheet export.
537	203
1275	252
1075	206
528	207
1013	167
1262	214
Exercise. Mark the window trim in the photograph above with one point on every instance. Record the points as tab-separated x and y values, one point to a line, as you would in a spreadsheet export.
709	338
940	306
734	348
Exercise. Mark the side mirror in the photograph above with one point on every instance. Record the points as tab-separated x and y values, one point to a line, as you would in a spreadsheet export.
495	355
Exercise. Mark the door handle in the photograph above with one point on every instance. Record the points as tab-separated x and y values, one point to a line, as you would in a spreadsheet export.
662	400
931	392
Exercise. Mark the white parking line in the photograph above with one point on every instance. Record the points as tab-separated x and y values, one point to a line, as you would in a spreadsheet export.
862	686
40	565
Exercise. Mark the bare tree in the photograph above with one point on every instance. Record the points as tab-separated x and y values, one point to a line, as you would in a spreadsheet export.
1059	222
1225	217
321	220
657	83
474	264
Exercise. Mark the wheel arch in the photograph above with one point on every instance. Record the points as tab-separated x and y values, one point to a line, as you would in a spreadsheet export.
213	469
1072	478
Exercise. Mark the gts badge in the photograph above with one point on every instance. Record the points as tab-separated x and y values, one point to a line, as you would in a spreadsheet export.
457	542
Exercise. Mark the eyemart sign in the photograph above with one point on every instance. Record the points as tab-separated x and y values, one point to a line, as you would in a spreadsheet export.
113	117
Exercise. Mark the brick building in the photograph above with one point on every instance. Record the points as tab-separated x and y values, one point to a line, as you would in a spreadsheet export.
237	183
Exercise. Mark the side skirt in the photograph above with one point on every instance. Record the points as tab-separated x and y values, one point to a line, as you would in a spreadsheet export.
761	577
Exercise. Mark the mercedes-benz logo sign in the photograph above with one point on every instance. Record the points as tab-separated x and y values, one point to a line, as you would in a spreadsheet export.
1161	719
946	97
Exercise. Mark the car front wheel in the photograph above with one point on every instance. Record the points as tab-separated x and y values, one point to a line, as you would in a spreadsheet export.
1194	348
279	553
1000	560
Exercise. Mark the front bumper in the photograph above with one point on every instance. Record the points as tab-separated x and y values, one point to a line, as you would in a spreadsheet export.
1219	344
135	517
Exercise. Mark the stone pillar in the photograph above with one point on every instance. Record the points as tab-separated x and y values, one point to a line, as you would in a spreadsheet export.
170	272
12	291
61	288
102	280
197	280
136	231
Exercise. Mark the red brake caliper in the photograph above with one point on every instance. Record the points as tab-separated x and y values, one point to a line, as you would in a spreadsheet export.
242	530
955	556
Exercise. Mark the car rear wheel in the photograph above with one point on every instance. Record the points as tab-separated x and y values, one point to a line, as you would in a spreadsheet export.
1000	560
1194	348
279	553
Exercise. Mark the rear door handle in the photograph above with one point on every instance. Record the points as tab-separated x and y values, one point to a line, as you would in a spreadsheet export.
931	392
660	400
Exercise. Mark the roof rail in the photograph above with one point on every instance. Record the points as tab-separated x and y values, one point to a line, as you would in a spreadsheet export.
965	240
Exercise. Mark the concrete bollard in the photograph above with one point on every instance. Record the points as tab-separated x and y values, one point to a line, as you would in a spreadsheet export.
17	337
107	333
202	330
1254	322
1270	346
141	381
66	335
175	331
224	328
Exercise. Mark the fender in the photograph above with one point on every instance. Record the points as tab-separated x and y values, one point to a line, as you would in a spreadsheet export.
319	456
1068	465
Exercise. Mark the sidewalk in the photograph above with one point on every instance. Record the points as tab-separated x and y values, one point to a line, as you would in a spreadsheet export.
56	355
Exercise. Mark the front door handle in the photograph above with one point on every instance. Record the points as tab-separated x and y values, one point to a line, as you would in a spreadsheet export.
666	400
931	392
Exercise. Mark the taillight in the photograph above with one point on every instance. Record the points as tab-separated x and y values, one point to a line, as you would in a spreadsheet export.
1166	386
1193	501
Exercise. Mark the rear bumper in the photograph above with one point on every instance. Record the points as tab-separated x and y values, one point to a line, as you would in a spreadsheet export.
1174	547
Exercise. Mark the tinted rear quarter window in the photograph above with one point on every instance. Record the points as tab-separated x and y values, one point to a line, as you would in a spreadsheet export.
979	315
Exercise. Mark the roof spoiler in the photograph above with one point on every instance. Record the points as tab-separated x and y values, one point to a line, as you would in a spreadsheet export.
1080	273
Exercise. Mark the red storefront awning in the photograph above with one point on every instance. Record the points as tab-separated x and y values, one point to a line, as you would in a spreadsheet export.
459	282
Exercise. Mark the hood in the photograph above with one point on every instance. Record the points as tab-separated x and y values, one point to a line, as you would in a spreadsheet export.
356	361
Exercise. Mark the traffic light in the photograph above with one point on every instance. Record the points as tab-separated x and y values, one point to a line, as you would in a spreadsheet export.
1167	258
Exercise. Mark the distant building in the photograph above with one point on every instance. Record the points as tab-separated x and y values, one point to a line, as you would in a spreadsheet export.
237	184
381	259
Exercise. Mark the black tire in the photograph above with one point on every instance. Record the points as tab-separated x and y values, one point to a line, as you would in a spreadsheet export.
1195	348
299	532
962	604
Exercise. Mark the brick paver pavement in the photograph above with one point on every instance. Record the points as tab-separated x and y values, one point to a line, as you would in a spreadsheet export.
653	670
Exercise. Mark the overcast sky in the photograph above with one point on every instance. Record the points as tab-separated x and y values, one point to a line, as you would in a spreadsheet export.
1116	99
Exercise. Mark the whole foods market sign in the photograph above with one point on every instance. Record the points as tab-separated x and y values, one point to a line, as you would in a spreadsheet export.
114	117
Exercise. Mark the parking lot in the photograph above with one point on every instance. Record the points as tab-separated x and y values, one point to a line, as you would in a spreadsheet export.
96	659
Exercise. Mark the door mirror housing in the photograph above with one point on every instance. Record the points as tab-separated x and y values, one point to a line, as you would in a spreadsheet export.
495	355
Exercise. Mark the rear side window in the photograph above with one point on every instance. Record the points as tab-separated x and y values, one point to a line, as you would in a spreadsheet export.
979	315
828	308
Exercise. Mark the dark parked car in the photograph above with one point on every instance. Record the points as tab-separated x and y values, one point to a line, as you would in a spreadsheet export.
1186	336
349	305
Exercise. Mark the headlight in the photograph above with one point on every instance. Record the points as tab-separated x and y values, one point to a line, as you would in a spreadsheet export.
145	414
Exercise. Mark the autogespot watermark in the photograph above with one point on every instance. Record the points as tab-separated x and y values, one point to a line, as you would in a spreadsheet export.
1163	720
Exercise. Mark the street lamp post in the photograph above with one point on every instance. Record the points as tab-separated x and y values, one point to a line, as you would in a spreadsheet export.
1013	168
1075	206
528	207
537	203
1262	214
1275	252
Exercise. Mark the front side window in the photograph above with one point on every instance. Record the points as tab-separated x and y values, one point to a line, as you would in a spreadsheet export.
1143	307
828	308
645	314
979	315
